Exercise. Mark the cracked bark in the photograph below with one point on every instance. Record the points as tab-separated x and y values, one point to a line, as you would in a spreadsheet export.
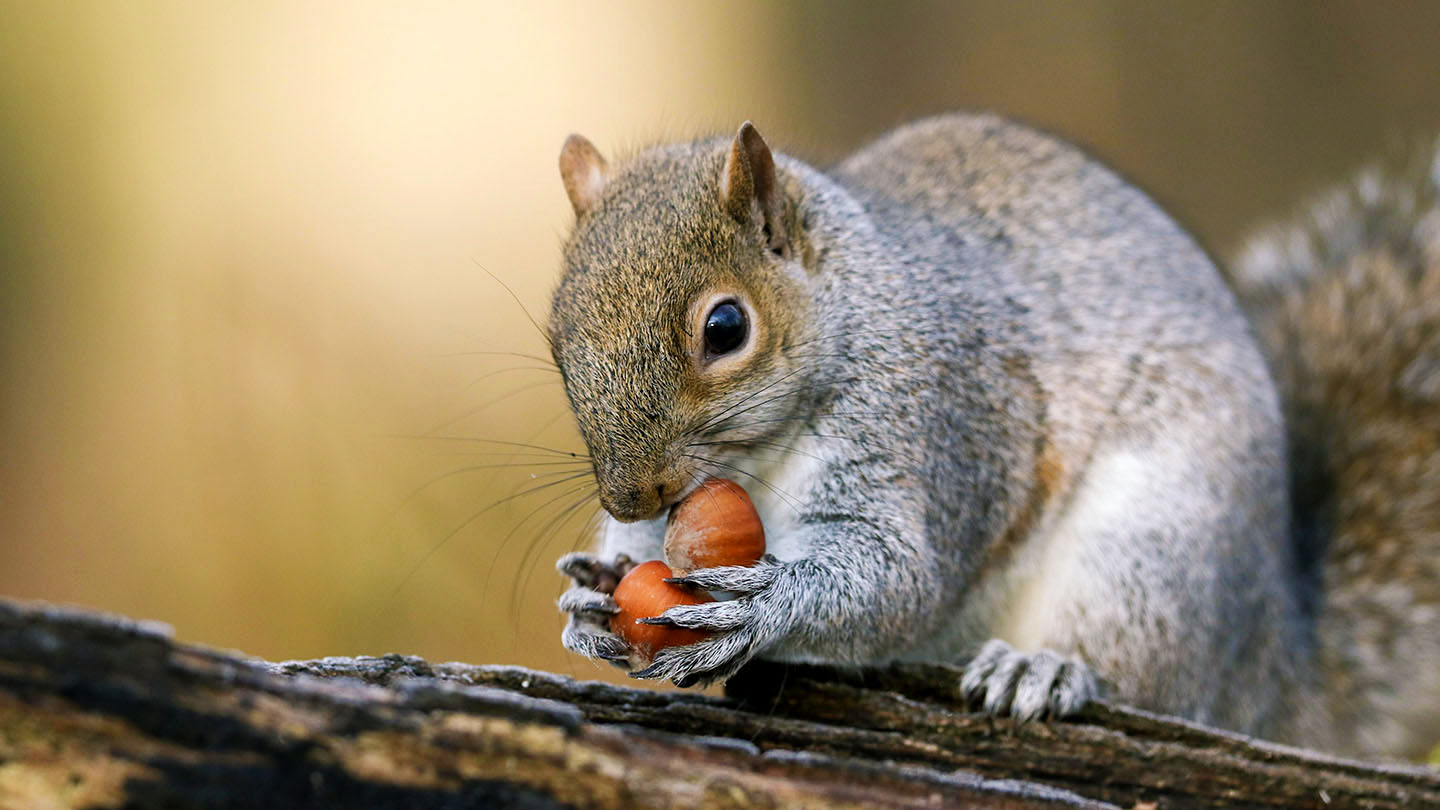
100	711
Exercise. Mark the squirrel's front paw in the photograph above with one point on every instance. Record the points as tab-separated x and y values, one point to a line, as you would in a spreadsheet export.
590	606
743	626
1027	686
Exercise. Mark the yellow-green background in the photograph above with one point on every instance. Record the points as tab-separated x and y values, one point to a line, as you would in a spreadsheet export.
240	241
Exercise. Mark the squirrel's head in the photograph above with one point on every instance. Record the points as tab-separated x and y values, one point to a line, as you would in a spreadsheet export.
683	292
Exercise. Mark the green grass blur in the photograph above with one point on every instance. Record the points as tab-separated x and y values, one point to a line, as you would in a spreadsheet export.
241	256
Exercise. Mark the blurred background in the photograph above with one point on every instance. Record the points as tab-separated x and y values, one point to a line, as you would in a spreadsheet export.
253	258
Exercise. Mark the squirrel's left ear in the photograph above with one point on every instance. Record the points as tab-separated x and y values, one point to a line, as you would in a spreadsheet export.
582	169
750	191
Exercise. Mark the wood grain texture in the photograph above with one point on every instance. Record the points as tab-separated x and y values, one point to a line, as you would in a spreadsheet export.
100	711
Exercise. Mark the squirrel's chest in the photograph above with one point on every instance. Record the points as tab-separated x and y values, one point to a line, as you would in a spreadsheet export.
780	482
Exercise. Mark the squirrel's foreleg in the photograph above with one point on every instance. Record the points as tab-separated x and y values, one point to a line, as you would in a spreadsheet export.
855	590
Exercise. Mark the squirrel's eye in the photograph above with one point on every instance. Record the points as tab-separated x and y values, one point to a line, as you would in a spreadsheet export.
725	329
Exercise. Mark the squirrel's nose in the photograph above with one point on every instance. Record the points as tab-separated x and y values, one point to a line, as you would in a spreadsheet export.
630	503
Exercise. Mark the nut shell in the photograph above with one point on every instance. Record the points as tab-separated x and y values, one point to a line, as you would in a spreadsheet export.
643	594
715	525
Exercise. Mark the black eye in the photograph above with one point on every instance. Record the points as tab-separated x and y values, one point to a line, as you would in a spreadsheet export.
725	329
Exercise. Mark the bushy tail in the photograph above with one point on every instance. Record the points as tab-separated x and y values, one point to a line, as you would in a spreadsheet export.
1347	307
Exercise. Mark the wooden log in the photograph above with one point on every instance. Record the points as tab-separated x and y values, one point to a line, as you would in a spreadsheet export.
99	711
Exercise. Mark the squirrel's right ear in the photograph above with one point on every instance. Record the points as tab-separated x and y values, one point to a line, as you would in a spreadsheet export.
582	169
749	189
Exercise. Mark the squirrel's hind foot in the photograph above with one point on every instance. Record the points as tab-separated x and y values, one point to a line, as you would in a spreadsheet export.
1027	686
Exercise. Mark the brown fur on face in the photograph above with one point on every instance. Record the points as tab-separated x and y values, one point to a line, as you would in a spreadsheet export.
657	240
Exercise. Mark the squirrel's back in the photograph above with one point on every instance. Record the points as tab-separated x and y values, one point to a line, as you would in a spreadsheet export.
1135	344
1347	311
1347	305
1124	319
1114	293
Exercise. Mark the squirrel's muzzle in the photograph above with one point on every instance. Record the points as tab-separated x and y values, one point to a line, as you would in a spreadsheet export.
628	503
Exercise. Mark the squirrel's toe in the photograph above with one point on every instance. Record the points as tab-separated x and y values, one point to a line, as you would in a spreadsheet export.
1074	687
703	662
593	641
1027	686
588	601
1033	690
589	571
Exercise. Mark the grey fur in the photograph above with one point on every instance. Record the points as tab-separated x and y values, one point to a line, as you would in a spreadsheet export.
1001	395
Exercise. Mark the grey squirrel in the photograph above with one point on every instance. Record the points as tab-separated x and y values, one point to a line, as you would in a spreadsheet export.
995	406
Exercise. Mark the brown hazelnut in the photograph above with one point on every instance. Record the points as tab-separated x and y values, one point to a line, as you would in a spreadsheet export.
715	525
643	594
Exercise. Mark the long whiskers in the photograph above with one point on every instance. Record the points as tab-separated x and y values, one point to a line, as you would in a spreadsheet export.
566	466
543	334
749	442
476	516
785	496
501	442
505	541
537	358
728	412
531	560
471	411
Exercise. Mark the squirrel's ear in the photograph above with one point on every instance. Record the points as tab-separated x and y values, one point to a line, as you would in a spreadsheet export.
749	189
582	169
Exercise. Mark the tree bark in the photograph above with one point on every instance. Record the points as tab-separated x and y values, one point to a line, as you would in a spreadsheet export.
99	711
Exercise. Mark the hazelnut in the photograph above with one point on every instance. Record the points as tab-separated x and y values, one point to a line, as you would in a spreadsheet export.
715	525
643	594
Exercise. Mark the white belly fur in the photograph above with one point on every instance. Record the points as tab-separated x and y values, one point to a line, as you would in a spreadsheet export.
1051	569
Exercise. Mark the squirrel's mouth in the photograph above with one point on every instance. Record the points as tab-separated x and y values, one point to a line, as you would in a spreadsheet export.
640	501
636	504
670	497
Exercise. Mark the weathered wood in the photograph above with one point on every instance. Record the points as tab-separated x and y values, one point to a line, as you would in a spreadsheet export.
97	711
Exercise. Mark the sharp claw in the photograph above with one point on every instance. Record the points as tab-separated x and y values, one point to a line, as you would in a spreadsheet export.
737	627
623	565
647	673
579	600
589	572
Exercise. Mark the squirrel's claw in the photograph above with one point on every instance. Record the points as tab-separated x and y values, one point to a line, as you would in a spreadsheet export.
739	579
590	606
713	616
589	571
593	641
743	626
585	600
704	662
1027	686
